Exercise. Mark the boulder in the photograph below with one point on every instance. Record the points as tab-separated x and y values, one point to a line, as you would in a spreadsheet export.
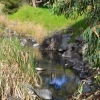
44	93
28	41
82	48
67	54
83	75
76	55
58	41
14	98
36	45
78	67
39	69
79	39
72	62
88	81
63	47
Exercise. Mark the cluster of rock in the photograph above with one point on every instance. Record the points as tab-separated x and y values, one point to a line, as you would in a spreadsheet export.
24	40
53	42
28	41
71	52
74	57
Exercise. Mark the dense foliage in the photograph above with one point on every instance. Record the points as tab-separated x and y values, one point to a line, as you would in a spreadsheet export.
77	7
92	37
91	10
11	6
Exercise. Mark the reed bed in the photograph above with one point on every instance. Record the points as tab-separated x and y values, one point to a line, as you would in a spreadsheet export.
16	70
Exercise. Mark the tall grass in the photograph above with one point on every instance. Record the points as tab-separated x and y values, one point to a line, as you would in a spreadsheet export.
16	69
24	28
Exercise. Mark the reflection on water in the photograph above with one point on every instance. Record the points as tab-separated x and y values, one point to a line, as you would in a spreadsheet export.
57	82
61	81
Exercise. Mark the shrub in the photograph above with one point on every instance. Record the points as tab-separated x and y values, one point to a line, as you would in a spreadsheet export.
11	6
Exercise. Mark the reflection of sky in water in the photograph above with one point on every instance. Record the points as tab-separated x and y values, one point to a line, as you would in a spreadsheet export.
58	82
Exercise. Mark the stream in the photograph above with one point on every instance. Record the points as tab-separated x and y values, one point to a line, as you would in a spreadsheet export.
61	81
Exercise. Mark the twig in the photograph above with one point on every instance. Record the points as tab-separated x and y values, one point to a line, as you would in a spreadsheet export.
94	30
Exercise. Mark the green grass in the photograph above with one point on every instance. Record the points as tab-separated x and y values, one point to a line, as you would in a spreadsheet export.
43	17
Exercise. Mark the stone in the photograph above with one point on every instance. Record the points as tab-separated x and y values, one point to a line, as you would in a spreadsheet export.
76	55
66	65
67	54
36	45
63	47
65	38
39	69
70	45
85	62
14	98
44	93
79	39
23	41
53	42
72	62
86	88
88	81
78	67
83	75
82	48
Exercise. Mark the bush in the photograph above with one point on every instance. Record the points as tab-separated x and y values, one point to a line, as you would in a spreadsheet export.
11	6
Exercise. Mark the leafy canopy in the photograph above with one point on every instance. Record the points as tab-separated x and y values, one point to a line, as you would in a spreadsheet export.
11	6
91	10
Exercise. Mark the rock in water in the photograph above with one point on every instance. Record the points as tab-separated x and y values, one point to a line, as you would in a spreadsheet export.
63	47
36	45
39	69
67	54
44	93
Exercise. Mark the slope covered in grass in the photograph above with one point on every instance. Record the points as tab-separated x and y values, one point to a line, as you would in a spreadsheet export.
43	17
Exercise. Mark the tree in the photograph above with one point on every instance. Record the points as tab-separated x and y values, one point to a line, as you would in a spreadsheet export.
11	6
91	9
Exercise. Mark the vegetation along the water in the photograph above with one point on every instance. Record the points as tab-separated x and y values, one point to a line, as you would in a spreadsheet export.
40	19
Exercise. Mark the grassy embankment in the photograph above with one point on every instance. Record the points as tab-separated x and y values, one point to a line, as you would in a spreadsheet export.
39	22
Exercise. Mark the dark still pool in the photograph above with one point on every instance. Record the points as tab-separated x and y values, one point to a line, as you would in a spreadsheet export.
61	81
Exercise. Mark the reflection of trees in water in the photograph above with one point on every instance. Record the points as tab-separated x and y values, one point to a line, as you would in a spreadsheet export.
53	56
50	55
60	81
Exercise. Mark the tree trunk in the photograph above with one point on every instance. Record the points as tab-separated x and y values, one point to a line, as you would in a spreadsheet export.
33	3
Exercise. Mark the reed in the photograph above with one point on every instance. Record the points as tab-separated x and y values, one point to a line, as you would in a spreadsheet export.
16	69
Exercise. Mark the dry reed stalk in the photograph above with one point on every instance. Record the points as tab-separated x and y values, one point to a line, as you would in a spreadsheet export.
16	70
24	28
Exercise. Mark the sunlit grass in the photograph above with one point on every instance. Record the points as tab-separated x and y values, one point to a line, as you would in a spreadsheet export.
43	17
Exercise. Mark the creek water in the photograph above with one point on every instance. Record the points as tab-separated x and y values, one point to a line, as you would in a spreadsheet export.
61	81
